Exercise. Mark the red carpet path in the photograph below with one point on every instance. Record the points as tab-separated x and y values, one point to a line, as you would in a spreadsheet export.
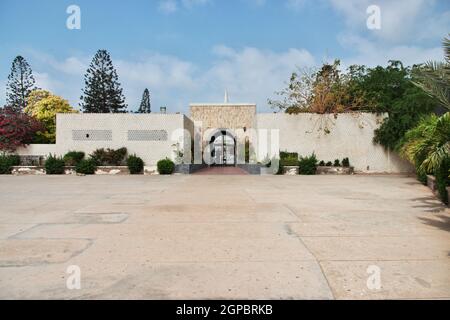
221	171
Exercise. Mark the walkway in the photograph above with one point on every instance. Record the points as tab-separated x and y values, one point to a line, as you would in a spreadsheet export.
228	171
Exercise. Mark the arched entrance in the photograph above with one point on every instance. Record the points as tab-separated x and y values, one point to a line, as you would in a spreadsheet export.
223	148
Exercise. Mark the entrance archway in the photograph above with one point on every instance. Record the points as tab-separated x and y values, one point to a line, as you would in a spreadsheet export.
223	148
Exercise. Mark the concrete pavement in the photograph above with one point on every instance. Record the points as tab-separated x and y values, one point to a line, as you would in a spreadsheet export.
197	237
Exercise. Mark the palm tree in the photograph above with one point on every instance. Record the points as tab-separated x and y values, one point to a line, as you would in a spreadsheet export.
427	145
434	77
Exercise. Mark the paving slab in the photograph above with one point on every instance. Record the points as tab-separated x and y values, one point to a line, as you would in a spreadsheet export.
418	279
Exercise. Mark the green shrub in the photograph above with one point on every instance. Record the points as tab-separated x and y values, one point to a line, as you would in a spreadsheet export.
346	162
165	166
422	177
307	165
336	163
322	163
443	179
135	164
72	158
288	162
87	166
7	162
288	155
109	157
288	159
420	174
329	164
54	165
15	159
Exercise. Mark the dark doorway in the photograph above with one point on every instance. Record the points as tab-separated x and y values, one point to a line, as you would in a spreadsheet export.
223	148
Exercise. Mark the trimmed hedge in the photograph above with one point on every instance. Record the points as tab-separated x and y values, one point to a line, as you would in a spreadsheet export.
72	158
54	165
7	162
87	166
135	164
166	166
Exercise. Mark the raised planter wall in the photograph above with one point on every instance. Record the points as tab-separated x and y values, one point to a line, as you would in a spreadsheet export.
188	168
27	170
38	170
290	170
334	170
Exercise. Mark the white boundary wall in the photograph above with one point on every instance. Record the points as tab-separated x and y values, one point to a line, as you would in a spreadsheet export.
350	135
37	150
116	129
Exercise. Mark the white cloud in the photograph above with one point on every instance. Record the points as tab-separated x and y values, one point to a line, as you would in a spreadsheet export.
257	3
373	53
171	6
407	29
168	6
249	74
401	20
295	4
192	3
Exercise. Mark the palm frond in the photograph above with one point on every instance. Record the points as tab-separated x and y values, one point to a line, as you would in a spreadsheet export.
434	77
446	45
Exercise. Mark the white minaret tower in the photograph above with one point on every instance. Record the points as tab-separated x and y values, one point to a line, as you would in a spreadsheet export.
226	98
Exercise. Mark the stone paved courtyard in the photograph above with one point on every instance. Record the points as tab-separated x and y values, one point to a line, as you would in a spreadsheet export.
201	236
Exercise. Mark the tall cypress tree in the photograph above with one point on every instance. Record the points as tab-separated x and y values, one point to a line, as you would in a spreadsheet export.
145	106
20	84
102	92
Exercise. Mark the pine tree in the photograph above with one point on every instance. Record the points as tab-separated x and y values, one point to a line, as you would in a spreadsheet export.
102	92
20	84
145	106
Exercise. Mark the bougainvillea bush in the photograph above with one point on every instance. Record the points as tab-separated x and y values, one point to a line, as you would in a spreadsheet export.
16	129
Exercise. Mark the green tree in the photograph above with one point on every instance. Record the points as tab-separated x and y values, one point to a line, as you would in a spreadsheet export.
390	90
434	78
102	92
145	106
20	83
43	106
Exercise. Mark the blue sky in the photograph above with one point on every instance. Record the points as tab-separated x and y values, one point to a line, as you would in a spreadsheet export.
191	50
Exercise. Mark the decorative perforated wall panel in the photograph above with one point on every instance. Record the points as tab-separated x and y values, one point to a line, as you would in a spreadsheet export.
147	135
92	135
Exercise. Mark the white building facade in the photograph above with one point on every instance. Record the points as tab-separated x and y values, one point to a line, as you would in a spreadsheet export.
213	133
